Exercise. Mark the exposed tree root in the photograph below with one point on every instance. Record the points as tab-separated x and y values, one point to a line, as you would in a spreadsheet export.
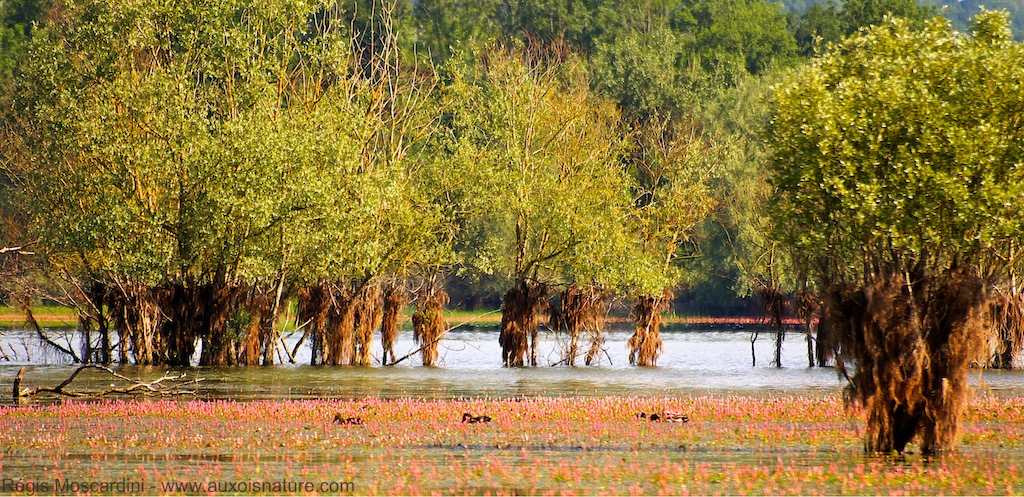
395	299
579	312
1006	318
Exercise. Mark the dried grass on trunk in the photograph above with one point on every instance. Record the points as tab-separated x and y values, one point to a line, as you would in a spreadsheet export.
910	339
580	311
826	344
1006	319
395	300
645	345
367	313
521	308
428	324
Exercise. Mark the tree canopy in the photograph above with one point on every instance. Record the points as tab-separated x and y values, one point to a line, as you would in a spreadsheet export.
896	162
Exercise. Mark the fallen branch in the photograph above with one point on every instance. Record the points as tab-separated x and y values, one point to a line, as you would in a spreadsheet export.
155	388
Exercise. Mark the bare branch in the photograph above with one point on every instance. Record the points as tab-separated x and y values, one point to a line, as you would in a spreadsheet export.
154	388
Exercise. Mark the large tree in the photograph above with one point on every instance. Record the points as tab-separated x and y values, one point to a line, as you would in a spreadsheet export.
181	164
535	163
896	162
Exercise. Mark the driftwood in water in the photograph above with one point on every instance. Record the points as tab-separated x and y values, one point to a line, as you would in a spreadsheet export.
520	312
645	345
165	386
910	338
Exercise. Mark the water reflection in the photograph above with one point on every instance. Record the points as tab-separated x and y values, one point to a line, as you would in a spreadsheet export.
470	366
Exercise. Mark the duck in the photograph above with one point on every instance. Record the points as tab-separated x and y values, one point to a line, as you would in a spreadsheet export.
354	421
669	417
468	418
672	417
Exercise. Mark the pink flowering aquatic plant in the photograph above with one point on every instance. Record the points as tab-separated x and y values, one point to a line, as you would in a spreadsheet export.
733	444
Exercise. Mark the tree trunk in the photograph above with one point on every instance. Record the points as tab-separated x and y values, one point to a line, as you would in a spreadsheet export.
313	307
136	314
97	298
339	341
520	310
774	304
645	345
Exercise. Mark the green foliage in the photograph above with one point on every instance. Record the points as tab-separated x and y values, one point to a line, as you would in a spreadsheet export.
534	167
902	147
237	147
738	37
675	163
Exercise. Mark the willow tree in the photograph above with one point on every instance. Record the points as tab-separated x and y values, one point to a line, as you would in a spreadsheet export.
376	222
896	161
674	162
535	164
169	158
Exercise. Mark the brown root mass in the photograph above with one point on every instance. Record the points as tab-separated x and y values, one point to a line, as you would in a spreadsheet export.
136	317
1006	319
314	304
428	322
395	300
260	335
339	337
520	311
367	313
645	345
580	311
203	311
910	338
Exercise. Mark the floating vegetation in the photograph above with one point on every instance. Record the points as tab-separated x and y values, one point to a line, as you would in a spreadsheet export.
733	444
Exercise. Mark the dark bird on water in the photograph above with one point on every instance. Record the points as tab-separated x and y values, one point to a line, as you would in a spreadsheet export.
670	417
468	418
341	420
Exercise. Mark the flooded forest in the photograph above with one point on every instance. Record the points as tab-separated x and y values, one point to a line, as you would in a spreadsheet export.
247	183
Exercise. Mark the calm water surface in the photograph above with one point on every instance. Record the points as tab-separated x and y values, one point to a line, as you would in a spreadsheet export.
470	366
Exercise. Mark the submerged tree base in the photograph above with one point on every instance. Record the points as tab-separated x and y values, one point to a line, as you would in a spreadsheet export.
520	311
645	345
910	339
428	322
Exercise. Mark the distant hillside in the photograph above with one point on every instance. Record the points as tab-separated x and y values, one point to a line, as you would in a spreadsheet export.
958	12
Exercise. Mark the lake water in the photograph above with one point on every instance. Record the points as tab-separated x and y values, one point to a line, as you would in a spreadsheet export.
694	360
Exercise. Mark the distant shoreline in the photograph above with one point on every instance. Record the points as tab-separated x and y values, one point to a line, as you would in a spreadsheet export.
62	316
